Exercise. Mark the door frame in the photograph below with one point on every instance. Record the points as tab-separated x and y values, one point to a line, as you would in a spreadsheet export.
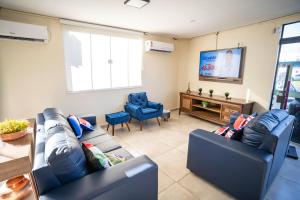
281	42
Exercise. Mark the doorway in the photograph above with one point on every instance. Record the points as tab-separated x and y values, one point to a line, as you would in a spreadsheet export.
286	88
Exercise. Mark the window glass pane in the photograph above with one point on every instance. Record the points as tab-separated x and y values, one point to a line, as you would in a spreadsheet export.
135	51
77	60
119	66
291	30
100	57
290	52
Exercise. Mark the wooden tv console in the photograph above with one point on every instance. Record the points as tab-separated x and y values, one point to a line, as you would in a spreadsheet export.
218	109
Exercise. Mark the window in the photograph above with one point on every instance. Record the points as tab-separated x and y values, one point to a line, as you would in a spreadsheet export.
95	61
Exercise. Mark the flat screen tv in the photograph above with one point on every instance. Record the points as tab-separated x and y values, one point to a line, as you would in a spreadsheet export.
225	65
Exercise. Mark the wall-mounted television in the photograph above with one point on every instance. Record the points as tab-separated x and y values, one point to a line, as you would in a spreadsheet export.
224	65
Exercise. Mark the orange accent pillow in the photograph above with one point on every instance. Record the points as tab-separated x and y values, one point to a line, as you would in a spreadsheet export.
239	122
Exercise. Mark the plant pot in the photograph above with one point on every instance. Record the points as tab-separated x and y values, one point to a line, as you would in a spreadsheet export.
13	136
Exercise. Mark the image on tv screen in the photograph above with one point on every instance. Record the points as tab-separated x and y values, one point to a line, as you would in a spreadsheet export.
221	63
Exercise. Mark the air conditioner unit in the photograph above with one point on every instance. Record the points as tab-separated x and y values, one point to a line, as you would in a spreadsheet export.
21	31
158	46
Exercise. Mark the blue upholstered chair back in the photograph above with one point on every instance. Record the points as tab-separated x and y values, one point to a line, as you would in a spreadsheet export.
139	99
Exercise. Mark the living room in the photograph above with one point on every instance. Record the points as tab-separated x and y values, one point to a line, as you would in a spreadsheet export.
75	63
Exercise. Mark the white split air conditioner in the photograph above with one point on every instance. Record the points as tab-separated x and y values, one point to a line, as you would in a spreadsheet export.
158	46
21	31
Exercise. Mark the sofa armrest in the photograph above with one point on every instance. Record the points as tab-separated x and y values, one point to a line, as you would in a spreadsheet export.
237	168
133	179
133	110
92	119
154	105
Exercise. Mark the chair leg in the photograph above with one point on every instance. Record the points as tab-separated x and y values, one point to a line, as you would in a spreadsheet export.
122	125
141	126
158	121
113	130
107	127
127	127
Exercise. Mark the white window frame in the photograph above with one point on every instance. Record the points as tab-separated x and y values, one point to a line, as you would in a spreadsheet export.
107	31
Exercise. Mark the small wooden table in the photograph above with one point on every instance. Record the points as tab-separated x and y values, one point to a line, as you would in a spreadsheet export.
16	157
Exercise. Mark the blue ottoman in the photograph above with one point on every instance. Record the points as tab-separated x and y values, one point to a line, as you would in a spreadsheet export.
117	118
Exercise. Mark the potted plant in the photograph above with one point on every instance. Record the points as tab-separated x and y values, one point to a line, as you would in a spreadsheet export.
200	91
204	104
13	129
211	91
227	95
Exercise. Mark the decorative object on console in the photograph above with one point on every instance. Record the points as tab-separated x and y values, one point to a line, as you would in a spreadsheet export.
200	91
211	91
13	129
227	95
189	89
204	104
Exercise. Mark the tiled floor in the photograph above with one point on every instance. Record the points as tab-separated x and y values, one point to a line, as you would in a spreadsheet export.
167	146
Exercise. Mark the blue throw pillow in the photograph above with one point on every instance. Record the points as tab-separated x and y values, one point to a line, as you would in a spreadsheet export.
74	123
85	125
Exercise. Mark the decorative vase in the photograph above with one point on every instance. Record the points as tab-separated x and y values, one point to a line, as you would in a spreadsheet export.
200	91
227	95
13	136
211	92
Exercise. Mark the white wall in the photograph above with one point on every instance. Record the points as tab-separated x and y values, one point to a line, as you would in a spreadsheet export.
32	77
260	60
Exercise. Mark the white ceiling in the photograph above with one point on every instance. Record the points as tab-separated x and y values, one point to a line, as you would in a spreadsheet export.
164	17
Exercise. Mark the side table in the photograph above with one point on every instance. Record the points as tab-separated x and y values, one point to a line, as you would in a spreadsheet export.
16	157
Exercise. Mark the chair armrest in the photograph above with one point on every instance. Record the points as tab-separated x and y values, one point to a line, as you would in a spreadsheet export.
154	105
133	110
229	164
92	119
137	176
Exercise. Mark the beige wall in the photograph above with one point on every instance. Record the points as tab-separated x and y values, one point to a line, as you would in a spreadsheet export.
260	61
32	77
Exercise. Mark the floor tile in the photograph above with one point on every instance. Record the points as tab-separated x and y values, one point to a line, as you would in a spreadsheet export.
164	181
175	192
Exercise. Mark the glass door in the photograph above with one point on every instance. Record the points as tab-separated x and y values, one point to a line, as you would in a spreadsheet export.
287	81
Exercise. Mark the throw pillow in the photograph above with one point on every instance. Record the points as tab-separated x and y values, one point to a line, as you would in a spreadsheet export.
96	159
234	134
85	125
222	130
239	122
75	125
115	159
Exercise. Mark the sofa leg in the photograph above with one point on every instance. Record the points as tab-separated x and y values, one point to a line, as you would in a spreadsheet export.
127	127
113	130
107	127
158	121
141	126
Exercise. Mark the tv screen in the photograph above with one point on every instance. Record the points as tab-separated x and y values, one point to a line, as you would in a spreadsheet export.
224	63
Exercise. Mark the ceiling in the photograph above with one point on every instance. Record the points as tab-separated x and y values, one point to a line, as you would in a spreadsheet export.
176	18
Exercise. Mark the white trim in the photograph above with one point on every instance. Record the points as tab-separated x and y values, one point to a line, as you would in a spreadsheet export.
101	27
104	89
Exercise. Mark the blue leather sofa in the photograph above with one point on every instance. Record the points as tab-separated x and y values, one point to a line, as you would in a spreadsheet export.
61	172
141	109
245	169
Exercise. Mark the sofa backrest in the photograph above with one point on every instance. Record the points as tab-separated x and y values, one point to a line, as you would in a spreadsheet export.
60	154
139	99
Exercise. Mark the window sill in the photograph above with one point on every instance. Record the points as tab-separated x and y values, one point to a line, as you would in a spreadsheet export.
103	90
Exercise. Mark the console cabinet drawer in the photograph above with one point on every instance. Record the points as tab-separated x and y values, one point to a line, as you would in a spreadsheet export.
227	111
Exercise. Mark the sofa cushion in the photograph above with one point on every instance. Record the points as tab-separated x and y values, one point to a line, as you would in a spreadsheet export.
263	123
148	110
64	155
279	114
89	135
96	159
104	142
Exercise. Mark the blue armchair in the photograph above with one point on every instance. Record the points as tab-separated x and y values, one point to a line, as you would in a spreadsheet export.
141	109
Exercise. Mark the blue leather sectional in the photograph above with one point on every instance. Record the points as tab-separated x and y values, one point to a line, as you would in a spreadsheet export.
246	168
61	172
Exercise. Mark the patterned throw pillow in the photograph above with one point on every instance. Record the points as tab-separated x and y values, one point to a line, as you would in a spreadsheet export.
85	125
239	122
96	159
115	159
75	125
222	130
